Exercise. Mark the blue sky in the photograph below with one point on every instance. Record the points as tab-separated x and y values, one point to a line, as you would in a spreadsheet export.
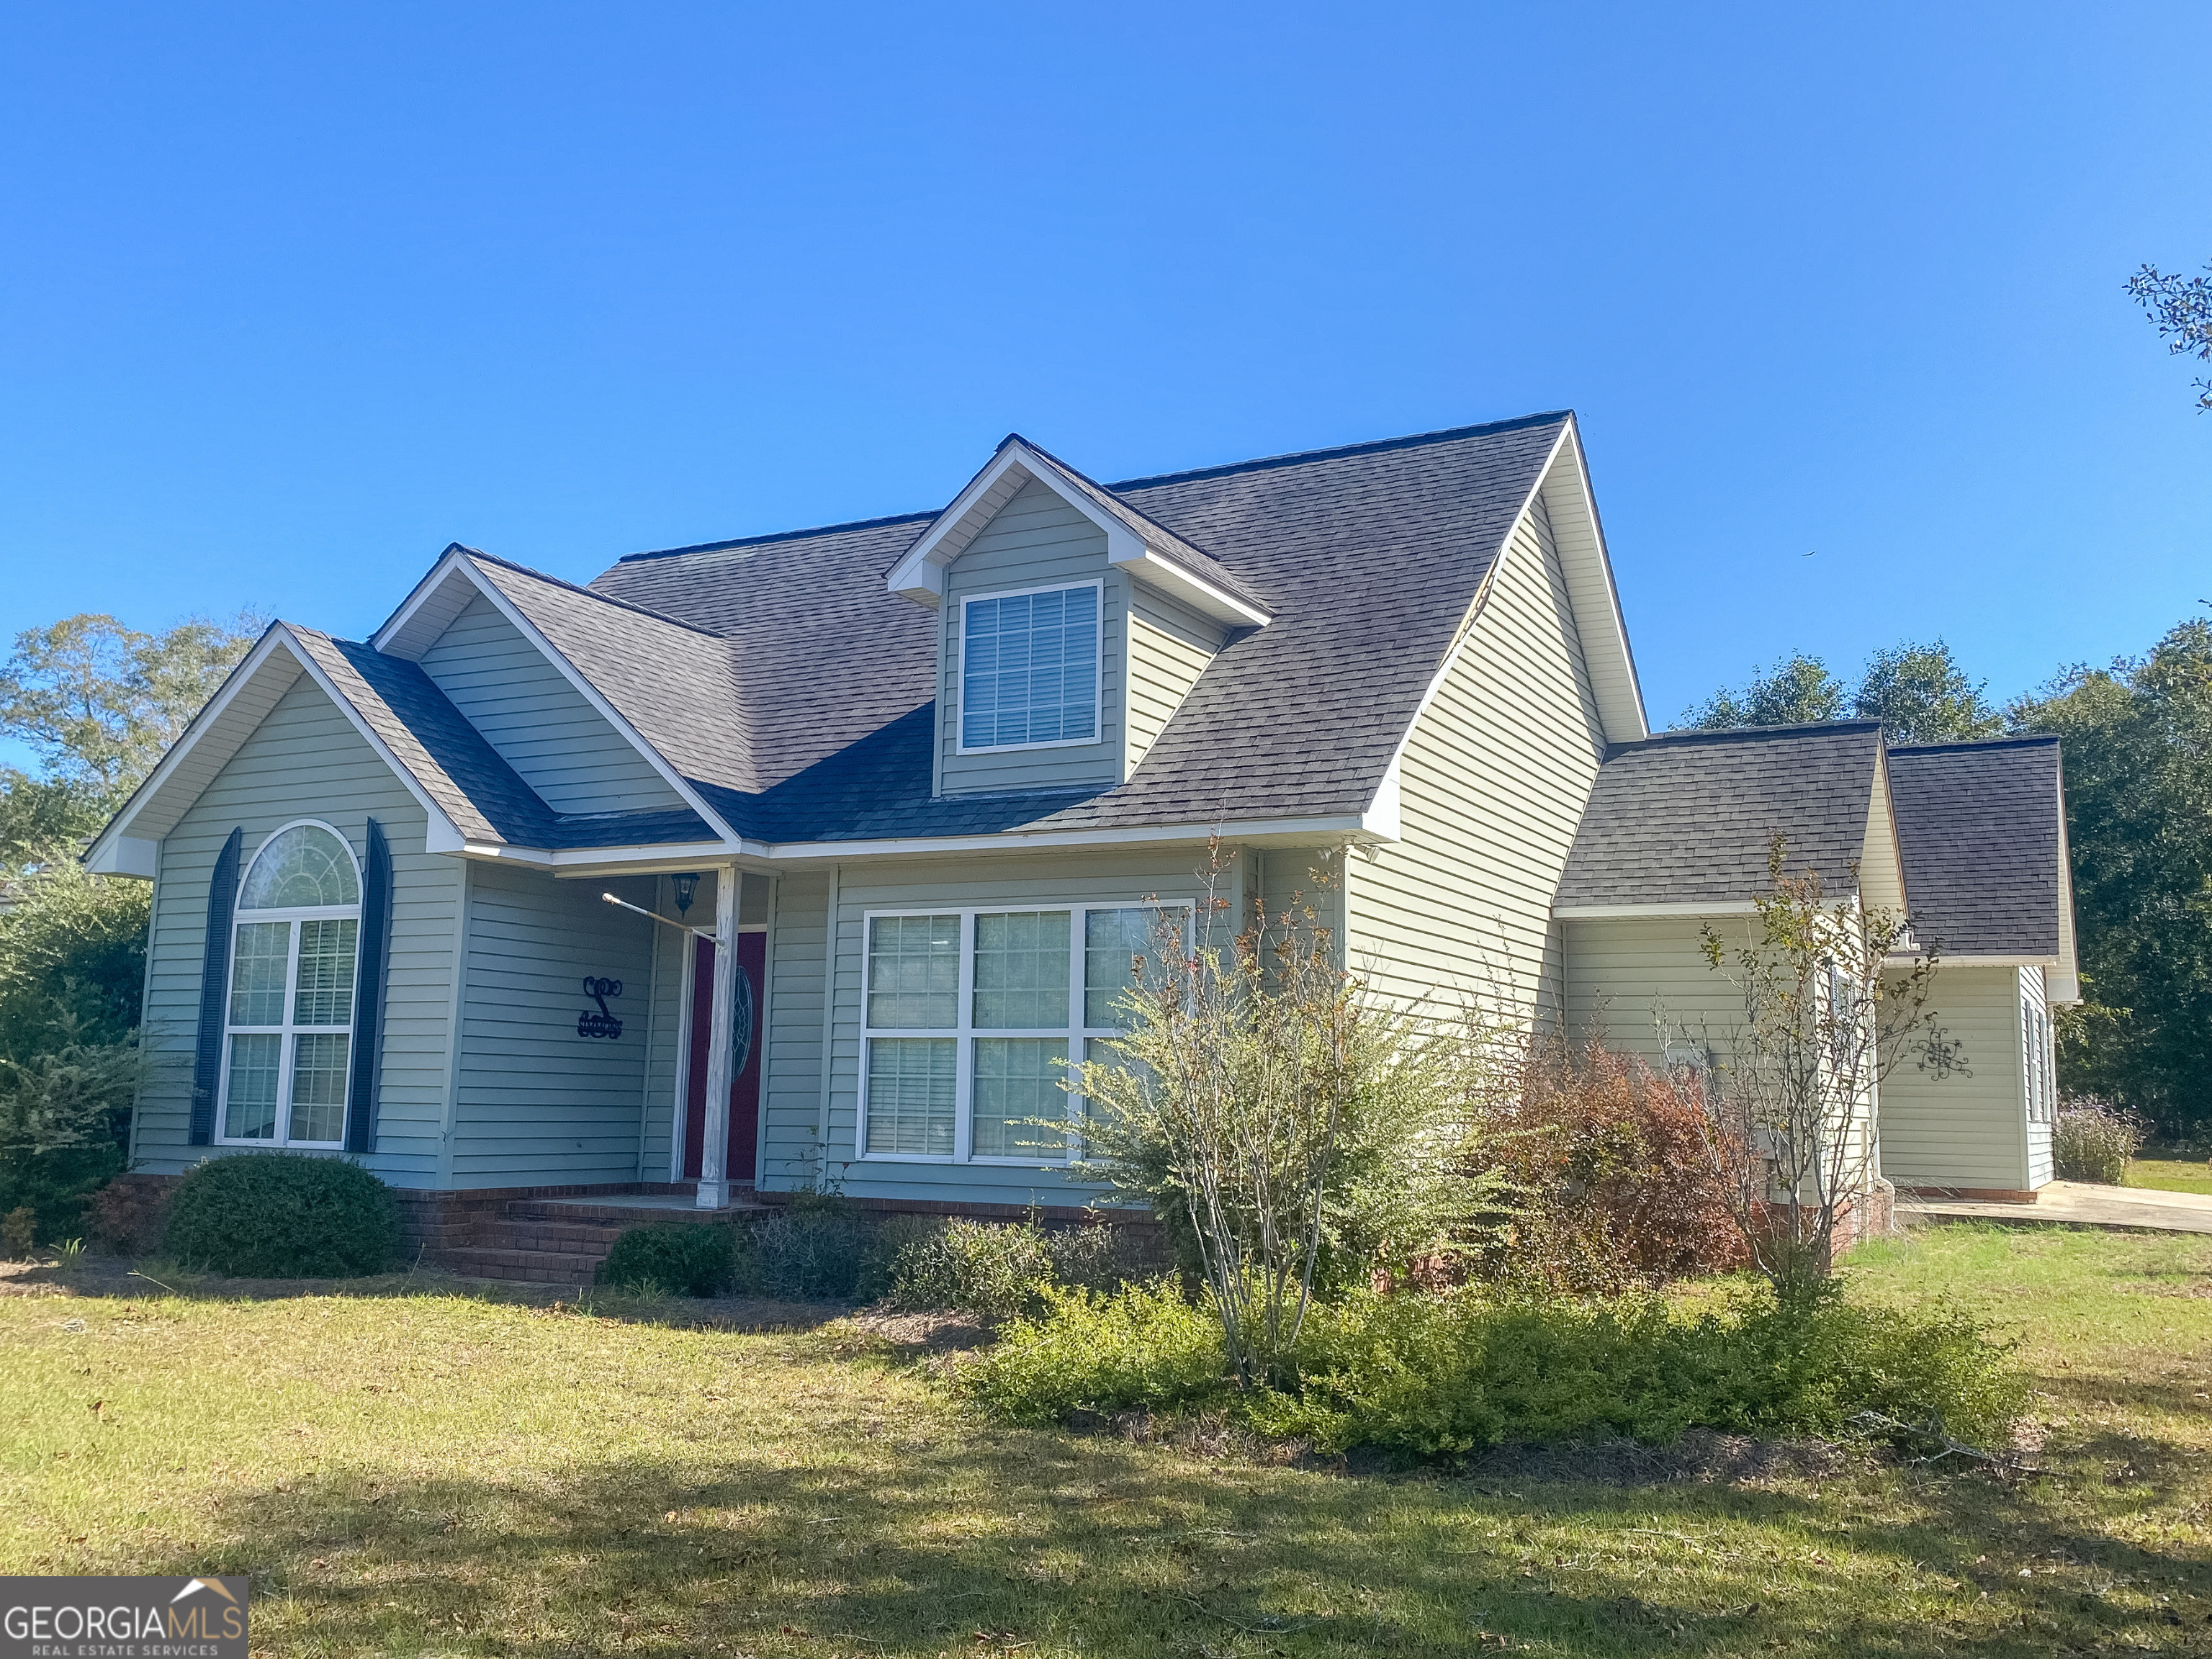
292	296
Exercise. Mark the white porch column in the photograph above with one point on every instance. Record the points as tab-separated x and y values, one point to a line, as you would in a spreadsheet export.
715	1142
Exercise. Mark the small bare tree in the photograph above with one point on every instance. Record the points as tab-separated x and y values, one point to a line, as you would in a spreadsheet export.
1834	996
1295	1123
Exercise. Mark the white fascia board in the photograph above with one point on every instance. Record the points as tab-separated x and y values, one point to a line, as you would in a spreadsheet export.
591	694
1996	960
409	632
919	573
583	863
1359	827
123	855
1653	912
1194	590
1609	630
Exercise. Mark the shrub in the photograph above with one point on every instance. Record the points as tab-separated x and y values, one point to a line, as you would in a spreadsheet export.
1614	1185
1452	1374
672	1258
127	1217
19	1233
1144	1345
278	1215
996	1270
2095	1141
816	1247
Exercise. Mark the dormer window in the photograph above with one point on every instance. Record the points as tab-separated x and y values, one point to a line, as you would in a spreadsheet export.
1030	668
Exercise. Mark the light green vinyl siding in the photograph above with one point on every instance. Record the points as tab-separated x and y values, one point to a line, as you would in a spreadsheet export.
306	760
1638	985
528	710
791	1082
664	1065
1014	880
1964	1130
1169	646
537	1103
1036	540
1494	781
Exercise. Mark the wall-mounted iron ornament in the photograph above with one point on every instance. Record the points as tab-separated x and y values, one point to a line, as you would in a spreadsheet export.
604	1023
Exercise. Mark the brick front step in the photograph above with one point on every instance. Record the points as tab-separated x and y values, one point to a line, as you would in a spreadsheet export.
614	1212
534	1267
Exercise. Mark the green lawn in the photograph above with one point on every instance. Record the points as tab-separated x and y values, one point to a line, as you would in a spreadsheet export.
2171	1174
417	1471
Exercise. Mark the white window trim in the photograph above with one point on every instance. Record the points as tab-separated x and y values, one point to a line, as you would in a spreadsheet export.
288	1033
1097	681
1077	1037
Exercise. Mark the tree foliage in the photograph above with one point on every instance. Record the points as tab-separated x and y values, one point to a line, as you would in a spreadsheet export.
1917	691
1921	694
2180	308
1798	691
100	703
2137	739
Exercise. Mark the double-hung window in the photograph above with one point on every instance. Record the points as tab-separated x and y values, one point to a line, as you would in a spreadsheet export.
973	1017
1030	668
289	1043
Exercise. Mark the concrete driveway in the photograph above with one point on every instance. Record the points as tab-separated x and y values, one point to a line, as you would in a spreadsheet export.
2075	1204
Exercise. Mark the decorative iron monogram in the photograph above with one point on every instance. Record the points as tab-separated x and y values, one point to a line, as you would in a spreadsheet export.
604	1023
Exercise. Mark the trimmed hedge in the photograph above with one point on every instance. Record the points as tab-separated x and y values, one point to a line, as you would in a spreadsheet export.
278	1215
672	1258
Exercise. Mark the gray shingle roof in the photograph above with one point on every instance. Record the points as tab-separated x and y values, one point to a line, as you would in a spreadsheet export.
1367	557
1690	817
1979	826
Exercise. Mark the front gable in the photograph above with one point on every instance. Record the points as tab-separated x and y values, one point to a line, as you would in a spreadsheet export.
540	723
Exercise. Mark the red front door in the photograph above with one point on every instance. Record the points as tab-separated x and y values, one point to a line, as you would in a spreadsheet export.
744	1087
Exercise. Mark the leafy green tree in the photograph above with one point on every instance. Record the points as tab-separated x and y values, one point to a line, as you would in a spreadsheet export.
1798	691
1921	694
2180	308
100	702
2137	738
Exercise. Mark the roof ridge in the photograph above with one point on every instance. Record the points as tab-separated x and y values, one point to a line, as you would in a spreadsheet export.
590	593
1744	734
1262	464
2010	740
780	536
1373	447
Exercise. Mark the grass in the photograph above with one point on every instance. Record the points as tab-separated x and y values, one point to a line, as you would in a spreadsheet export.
406	1469
2171	1174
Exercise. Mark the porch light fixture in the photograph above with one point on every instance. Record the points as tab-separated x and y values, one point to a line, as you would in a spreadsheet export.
685	885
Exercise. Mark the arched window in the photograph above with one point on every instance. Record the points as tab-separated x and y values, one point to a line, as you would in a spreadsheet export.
289	1037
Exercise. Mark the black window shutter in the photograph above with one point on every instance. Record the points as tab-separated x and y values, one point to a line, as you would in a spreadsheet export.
368	993
215	989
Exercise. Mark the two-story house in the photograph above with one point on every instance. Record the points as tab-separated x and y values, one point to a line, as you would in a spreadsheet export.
811	857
